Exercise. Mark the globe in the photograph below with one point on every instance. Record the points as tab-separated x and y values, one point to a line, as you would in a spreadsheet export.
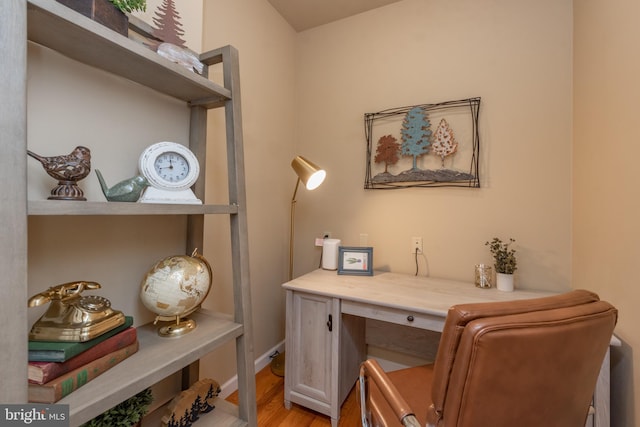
175	287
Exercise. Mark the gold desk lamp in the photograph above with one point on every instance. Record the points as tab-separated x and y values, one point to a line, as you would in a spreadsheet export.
311	176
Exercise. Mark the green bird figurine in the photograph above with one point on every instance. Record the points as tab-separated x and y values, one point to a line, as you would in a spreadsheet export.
128	190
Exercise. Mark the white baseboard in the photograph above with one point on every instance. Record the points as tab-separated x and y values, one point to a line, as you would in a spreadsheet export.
261	362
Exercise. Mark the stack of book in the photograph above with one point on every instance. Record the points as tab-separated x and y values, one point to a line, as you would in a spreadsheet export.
58	368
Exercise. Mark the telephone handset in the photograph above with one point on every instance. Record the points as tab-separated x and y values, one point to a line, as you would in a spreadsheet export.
72	316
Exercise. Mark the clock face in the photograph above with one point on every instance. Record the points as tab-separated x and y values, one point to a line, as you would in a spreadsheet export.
169	166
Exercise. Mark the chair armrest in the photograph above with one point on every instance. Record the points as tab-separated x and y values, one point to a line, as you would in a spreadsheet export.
371	370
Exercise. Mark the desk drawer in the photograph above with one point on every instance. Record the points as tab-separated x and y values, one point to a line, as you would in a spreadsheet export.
401	317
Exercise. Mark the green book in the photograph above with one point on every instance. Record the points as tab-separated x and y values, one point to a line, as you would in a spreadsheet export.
53	351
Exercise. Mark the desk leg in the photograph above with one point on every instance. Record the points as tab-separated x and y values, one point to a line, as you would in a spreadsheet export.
601	396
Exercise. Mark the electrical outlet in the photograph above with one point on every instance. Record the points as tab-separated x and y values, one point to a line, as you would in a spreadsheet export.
416	245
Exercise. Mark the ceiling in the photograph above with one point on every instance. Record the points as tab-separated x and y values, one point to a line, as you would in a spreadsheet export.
305	14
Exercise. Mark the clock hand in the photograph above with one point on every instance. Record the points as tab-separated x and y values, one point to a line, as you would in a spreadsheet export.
166	167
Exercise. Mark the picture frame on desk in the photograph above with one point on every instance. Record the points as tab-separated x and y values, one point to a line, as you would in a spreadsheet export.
355	260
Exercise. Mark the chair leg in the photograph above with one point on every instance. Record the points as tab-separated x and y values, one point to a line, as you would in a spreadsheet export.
370	370
364	418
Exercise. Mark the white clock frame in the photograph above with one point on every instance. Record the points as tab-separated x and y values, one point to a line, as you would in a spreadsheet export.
161	190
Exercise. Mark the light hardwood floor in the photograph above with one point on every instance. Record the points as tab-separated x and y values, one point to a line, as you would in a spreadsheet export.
272	413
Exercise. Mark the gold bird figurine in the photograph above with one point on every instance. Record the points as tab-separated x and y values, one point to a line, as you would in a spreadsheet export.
68	170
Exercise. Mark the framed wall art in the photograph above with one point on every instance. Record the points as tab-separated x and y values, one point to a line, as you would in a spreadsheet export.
355	260
428	145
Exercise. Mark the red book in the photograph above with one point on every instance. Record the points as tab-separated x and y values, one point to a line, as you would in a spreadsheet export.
42	372
59	387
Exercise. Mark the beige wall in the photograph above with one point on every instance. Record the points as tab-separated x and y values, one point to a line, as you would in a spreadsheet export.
415	52
606	203
306	94
266	48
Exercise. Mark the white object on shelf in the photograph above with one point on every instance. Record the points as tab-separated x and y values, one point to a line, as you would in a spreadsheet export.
181	56
171	169
157	195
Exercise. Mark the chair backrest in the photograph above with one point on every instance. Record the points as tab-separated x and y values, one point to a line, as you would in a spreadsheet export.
521	363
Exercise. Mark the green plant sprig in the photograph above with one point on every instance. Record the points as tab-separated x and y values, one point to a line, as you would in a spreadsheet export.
130	5
503	255
124	414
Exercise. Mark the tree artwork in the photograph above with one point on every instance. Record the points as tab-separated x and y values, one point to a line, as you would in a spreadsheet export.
397	137
387	151
191	403
168	26
195	408
415	134
211	394
185	421
444	144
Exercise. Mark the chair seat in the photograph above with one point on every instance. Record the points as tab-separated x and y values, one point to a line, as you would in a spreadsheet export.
414	384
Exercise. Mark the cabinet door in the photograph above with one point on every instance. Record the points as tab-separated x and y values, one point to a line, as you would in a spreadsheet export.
311	327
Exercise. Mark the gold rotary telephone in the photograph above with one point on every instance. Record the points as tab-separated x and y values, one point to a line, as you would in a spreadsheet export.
72	316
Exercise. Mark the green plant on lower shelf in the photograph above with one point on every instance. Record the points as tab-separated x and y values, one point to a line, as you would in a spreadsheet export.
124	414
130	5
503	256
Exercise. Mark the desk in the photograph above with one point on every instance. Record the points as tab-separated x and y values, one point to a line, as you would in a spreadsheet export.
326	322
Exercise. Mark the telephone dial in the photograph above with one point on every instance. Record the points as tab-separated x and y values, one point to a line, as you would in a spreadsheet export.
72	316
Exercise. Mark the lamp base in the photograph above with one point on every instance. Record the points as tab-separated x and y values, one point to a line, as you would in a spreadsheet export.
277	365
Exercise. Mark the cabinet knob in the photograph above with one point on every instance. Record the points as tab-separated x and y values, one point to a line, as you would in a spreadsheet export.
330	323
410	318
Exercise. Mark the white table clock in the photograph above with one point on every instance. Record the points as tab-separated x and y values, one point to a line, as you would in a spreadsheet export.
171	170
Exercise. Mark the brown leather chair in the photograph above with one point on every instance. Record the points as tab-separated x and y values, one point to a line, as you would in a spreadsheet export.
508	364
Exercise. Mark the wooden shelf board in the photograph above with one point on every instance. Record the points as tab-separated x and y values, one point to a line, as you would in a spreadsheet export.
60	28
157	358
66	207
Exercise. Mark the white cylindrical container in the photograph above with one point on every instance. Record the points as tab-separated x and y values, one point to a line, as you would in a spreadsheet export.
330	254
504	282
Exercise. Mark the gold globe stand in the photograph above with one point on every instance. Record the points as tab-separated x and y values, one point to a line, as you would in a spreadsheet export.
179	328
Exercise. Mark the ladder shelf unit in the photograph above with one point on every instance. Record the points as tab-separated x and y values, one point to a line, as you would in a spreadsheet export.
69	33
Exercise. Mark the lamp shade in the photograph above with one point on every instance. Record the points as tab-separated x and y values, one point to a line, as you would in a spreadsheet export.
310	174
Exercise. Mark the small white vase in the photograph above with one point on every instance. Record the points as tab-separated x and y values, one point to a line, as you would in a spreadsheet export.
504	282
